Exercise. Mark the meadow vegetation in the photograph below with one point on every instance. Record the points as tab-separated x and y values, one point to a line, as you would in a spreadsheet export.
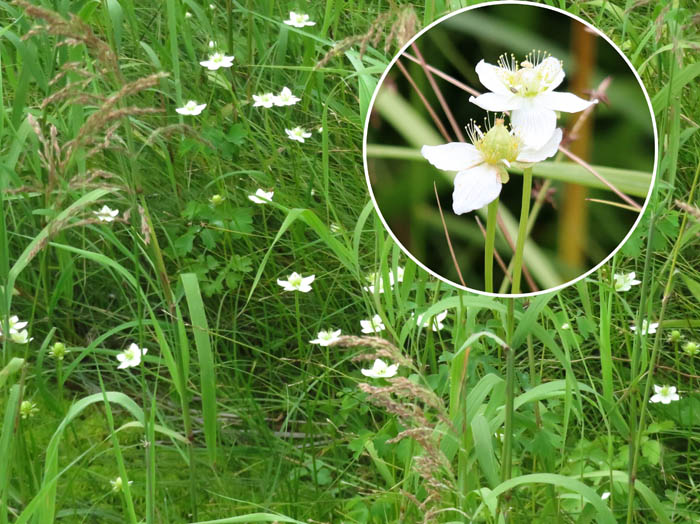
171	368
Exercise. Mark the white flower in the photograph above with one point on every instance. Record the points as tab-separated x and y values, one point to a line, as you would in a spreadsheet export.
118	484
298	134
188	15
566	325
527	90
16	324
335	228
373	325
435	322
625	282
21	337
481	167
295	282
131	357
106	214
216	61
380	369
605	495
664	394
298	20
264	100
212	44
261	196
212	6
320	129
191	108
286	98
647	328
326	337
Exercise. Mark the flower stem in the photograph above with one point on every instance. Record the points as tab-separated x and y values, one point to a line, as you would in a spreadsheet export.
522	230
488	250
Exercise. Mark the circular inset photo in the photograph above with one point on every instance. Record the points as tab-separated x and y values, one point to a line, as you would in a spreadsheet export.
510	148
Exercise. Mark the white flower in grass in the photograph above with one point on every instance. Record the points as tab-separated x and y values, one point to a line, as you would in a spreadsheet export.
131	357
118	484
566	325
295	282
625	282
647	328
106	214
212	44
212	6
286	98
16	324
264	100
188	15
326	337
261	196
320	129
373	325
435	323
605	495
21	337
298	20
335	228
380	369
217	61
191	108
664	394
393	278
298	133
526	89
481	166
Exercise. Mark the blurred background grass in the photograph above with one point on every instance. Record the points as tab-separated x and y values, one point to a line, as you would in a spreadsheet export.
571	233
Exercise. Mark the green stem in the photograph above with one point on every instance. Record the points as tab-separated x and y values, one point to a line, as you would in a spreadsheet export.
522	230
488	250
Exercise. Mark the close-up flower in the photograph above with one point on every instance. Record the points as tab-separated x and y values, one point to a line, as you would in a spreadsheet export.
191	108
285	98
106	214
435	322
648	328
216	200
664	394
20	337
624	282
265	100
298	134
131	357
261	197
373	325
482	166
381	369
217	61
299	20
526	89
326	337
296	282
691	348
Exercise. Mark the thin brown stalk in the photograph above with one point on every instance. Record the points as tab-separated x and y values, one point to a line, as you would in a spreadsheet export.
452	80
427	105
610	186
611	203
447	237
438	94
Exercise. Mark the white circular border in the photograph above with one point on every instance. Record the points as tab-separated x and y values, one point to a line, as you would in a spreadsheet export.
371	106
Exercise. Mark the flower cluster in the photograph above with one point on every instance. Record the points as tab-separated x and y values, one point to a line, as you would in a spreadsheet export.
377	282
526	90
285	98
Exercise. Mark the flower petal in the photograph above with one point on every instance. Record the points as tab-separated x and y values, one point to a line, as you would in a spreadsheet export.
530	155
489	77
454	156
497	101
534	124
475	187
567	102
554	73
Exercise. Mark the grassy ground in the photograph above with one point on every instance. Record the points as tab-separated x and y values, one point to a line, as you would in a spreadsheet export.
233	414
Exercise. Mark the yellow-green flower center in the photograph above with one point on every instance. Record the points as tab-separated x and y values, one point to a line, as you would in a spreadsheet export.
498	144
